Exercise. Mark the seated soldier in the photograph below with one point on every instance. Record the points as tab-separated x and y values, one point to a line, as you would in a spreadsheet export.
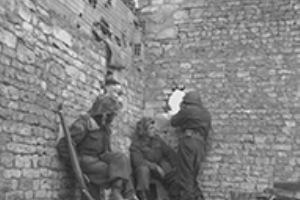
104	168
151	157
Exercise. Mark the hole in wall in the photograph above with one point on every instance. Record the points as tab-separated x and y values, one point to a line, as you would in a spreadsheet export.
118	41
93	3
55	45
108	4
137	49
105	28
124	40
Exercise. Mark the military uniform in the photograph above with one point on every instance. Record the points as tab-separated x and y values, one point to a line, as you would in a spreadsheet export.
195	122
96	159
91	137
147	153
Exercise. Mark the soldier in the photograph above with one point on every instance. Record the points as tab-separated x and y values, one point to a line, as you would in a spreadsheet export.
91	137
194	121
151	158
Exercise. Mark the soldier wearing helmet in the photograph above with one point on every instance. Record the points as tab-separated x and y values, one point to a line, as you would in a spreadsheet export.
104	168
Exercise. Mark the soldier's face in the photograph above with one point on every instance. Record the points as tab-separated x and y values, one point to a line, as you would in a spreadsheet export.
110	117
152	129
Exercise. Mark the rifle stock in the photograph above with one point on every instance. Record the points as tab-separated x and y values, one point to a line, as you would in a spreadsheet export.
74	158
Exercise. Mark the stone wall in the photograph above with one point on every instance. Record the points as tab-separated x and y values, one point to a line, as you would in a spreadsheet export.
243	56
47	58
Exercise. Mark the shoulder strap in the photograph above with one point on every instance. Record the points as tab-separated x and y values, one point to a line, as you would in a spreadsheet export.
86	118
91	123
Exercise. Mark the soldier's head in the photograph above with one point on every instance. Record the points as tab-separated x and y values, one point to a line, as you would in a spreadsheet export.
104	109
146	127
191	98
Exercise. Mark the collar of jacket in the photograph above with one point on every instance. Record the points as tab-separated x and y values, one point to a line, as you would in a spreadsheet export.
92	124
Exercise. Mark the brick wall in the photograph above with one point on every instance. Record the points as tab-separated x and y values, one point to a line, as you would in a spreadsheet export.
47	56
243	56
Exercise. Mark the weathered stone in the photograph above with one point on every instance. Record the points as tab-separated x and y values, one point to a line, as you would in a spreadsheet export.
28	195
12	173
63	36
30	173
176	1
8	38
9	5
21	148
157	2
149	9
45	28
283	147
22	162
25	54
11	53
167	33
27	27
26	184
180	15
7	159
41	194
24	13
15	195
29	4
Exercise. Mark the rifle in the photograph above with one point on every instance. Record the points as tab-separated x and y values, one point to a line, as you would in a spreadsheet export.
73	156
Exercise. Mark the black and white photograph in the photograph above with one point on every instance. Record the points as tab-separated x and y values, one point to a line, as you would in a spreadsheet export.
149	99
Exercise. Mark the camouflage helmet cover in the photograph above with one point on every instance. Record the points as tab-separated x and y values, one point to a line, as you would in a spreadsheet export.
192	97
105	104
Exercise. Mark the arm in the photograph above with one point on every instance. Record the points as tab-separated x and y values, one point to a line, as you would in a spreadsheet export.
137	157
78	130
169	154
177	120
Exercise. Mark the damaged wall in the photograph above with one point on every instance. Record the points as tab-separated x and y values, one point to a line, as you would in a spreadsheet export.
48	55
243	56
